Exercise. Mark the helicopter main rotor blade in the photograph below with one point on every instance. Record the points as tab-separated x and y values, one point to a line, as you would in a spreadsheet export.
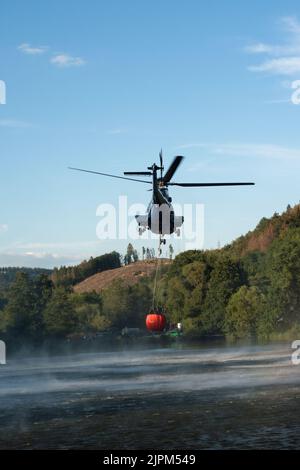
192	185
161	164
142	173
172	168
111	176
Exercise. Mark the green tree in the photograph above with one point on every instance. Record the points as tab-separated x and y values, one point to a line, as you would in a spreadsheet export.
243	311
225	279
3	300
21	318
195	279
283	272
100	323
191	327
116	304
88	310
175	301
59	316
129	257
126	305
135	256
43	289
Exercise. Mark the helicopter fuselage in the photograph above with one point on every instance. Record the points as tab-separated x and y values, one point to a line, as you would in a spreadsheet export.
160	217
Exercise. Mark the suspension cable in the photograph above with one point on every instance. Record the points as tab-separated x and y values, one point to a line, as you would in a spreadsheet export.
158	259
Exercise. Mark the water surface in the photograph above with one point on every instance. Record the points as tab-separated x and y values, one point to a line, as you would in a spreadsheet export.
205	398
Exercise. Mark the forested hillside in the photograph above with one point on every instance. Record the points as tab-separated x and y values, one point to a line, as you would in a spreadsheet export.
8	274
266	231
248	288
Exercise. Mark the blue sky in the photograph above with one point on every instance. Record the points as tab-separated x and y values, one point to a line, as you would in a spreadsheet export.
104	85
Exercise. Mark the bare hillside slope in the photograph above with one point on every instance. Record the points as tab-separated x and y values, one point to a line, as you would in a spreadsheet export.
130	274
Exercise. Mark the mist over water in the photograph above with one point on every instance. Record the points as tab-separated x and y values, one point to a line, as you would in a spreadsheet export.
213	397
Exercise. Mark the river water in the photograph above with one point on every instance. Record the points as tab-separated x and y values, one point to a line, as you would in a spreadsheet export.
185	398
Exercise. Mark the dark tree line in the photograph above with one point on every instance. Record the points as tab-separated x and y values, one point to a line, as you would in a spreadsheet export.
70	275
8	274
36	310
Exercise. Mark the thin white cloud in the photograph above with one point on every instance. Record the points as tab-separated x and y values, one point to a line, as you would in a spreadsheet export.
66	60
281	66
14	123
59	60
116	131
3	228
273	50
36	260
258	48
32	50
57	246
240	149
48	254
291	24
286	56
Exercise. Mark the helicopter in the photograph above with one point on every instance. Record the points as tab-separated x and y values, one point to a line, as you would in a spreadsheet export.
160	217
